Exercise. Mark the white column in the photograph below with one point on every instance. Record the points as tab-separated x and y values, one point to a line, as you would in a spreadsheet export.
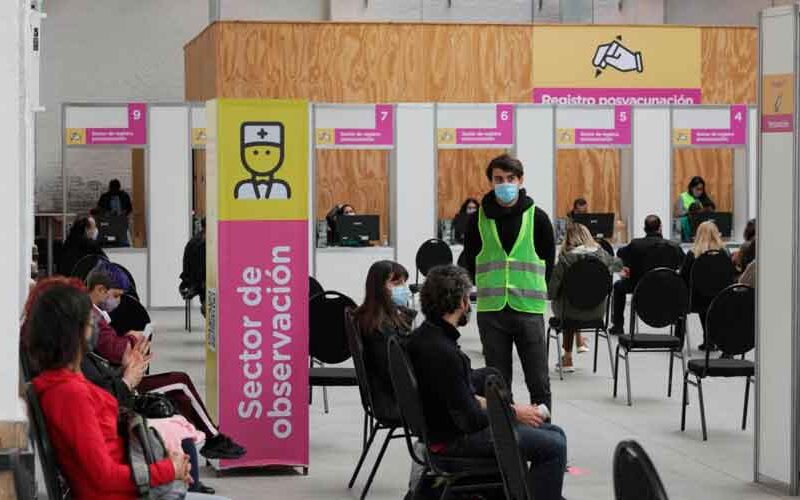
652	167
169	203
413	183
12	200
534	144
777	310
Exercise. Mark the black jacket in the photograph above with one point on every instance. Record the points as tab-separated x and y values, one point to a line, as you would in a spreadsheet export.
444	377
125	205
643	254
75	250
509	221
193	276
99	372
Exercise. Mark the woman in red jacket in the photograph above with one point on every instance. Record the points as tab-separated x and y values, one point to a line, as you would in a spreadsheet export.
82	418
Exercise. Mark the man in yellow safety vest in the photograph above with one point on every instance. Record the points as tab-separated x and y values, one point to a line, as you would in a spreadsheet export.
509	250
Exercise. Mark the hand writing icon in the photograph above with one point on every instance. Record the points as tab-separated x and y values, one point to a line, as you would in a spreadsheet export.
617	56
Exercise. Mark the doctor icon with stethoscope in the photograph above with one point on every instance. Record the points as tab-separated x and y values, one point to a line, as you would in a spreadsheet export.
262	156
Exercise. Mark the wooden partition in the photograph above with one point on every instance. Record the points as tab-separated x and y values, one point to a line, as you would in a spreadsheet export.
398	62
592	174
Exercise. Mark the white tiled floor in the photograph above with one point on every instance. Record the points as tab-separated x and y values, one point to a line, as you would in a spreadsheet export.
691	469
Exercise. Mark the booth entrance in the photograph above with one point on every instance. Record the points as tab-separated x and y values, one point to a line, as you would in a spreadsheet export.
712	142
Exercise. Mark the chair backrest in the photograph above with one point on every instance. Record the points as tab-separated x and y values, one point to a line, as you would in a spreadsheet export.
132	291
129	315
505	440
587	283
660	299
432	253
314	287
53	480
85	265
327	336
661	254
712	272
407	391
635	476
731	319
357	352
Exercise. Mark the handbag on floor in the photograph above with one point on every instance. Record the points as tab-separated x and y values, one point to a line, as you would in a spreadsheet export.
145	447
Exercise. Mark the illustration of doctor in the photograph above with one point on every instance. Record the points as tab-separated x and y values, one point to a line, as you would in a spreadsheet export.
262	156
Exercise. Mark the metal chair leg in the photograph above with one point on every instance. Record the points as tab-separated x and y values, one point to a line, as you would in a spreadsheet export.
702	408
325	399
377	464
671	364
372	434
445	492
616	371
610	356
746	401
684	400
596	345
560	356
628	375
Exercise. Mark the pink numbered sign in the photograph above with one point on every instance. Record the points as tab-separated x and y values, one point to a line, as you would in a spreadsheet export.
620	135
134	134
501	134
734	135
381	135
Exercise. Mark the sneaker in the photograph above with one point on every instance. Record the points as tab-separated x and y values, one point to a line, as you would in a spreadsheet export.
582	345
567	366
222	447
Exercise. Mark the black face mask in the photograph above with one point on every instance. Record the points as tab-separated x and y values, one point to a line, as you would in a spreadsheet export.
464	319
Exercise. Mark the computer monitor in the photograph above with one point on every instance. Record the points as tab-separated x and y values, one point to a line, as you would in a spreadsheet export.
357	230
601	225
723	220
112	230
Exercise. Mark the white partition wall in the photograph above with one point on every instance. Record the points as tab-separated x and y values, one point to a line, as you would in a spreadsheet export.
652	166
413	181
776	454
169	177
534	146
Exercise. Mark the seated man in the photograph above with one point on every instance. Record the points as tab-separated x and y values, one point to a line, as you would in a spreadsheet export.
193	276
638	257
105	292
454	411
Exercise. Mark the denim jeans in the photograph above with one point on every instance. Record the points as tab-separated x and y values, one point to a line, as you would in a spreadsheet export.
545	448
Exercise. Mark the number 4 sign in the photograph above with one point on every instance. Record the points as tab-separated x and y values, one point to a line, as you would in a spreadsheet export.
734	135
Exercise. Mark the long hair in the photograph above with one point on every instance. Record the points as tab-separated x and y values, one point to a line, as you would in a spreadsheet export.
704	199
463	209
378	307
577	235
77	232
707	238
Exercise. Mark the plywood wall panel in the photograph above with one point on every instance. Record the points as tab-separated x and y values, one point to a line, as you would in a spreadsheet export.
729	65
713	165
201	65
462	175
359	178
587	173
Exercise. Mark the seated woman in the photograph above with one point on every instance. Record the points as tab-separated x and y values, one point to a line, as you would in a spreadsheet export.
332	218
747	252
578	245
707	238
383	315
82	418
468	209
80	242
695	193
122	382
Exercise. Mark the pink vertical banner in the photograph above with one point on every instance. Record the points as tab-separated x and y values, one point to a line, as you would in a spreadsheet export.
381	135
501	134
262	342
620	135
734	135
134	134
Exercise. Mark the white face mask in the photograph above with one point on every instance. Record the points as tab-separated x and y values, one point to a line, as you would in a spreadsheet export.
92	233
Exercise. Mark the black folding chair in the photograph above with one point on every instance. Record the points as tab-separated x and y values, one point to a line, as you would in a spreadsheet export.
374	418
452	472
635	476
314	288
129	315
587	284
660	300
132	291
432	253
711	273
730	324
505	440
328	343
85	265
54	482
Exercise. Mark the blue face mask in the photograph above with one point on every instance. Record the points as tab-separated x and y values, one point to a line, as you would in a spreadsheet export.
506	193
401	295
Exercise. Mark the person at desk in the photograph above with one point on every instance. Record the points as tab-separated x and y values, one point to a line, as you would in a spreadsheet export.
695	193
686	221
579	206
193	276
467	210
81	241
638	257
344	210
115	201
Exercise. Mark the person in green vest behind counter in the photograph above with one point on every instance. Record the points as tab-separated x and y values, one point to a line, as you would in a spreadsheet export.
509	250
695	193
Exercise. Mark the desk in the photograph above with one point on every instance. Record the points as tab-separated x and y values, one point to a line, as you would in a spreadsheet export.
344	269
134	260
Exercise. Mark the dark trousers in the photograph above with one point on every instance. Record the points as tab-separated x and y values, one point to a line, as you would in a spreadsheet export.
178	387
500	331
545	448
621	289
